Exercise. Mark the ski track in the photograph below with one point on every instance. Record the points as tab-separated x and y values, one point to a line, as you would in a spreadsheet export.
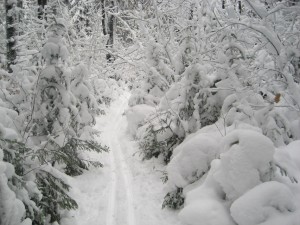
120	174
127	190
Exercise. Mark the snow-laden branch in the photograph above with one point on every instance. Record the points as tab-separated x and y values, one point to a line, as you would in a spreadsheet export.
268	34
127	27
260	11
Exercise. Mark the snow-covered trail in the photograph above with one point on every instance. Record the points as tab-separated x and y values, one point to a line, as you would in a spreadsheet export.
127	191
120	204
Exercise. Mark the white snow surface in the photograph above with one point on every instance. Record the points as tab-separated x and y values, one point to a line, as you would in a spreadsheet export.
204	205
244	163
270	203
191	159
127	191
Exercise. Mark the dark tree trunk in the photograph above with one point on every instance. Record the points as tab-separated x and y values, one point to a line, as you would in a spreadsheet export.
240	7
110	31
110	26
103	17
11	32
84	19
41	10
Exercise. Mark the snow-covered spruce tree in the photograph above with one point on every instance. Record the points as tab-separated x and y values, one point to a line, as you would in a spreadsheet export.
63	114
12	209
17	193
64	108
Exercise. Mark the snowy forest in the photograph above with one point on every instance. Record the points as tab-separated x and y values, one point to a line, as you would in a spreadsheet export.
149	112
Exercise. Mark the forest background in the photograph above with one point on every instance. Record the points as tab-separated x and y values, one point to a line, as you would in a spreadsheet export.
221	74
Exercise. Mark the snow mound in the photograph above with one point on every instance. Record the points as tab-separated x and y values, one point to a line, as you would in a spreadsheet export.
7	123
245	163
293	150
287	161
204	205
262	204
192	159
136	115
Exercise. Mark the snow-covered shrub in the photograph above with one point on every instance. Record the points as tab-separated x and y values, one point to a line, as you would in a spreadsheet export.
17	194
174	199
12	209
252	108
205	204
139	96
32	192
186	106
103	93
293	151
191	159
264	204
159	136
136	115
246	162
239	186
13	195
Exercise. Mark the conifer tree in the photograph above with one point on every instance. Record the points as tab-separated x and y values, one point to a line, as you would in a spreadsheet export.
64	109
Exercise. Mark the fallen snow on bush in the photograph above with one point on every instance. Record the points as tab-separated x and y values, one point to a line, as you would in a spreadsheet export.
136	115
236	179
264	204
192	159
245	163
205	204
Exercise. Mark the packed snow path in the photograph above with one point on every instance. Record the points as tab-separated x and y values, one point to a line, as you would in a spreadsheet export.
120	205
127	191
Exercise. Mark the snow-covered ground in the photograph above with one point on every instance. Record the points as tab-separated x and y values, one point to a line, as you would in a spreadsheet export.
126	191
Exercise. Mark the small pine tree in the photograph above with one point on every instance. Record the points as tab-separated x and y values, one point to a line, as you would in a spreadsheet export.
64	111
64	108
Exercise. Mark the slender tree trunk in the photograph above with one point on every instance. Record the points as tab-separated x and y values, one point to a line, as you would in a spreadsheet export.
240	6
41	12
110	26
103	17
11	32
110	31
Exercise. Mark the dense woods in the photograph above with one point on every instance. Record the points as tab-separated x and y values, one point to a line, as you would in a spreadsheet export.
215	96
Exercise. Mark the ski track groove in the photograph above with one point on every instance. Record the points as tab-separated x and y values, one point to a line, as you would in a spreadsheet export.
119	172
